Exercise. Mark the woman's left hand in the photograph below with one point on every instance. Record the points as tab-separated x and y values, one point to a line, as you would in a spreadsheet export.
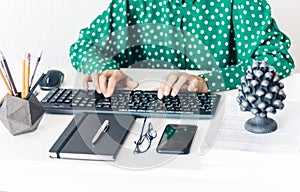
177	81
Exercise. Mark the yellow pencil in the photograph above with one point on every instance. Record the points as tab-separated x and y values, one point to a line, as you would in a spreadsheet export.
5	82
23	77
27	75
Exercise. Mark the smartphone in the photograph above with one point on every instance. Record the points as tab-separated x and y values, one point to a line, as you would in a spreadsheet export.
176	139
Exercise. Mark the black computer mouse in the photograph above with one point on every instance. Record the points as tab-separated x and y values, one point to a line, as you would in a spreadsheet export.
52	79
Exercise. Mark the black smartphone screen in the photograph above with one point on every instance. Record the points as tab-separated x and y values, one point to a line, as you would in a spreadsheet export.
177	139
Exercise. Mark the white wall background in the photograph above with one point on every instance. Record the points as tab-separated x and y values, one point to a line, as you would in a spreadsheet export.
287	15
53	25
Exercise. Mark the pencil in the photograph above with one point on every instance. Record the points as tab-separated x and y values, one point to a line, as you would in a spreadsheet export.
5	82
27	74
10	79
1	100
4	72
23	76
35	68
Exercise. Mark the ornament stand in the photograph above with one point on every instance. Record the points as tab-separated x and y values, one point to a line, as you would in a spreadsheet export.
260	125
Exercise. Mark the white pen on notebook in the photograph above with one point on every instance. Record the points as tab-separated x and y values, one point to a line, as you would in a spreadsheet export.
101	130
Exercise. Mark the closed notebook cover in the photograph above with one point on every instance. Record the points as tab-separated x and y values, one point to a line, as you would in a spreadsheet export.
76	142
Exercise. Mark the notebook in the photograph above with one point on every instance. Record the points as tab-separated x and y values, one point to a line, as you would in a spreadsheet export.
76	141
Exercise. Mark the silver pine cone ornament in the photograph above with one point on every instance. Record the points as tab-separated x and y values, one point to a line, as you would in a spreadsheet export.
261	93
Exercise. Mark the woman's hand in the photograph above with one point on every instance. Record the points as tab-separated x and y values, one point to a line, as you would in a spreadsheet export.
180	81
105	82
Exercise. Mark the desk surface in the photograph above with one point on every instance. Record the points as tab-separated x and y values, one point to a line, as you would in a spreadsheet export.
25	164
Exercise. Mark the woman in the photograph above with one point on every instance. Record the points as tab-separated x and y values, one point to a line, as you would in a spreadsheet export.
222	36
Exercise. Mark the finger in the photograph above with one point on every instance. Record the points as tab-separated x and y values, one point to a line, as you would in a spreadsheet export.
112	81
184	87
103	82
130	83
126	81
95	79
160	91
169	84
86	80
194	86
178	85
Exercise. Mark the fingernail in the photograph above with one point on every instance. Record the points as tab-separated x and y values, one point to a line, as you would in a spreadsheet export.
106	94
159	95
166	93
109	94
173	94
135	83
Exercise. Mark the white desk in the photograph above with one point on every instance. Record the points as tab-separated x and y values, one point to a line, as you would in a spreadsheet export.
25	164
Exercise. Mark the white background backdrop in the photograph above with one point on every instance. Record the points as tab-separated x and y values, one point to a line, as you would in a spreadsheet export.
53	25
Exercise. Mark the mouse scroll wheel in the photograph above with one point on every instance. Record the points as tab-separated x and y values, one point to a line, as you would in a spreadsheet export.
48	80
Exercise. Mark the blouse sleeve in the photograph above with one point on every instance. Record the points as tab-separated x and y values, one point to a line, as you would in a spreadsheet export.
96	47
256	37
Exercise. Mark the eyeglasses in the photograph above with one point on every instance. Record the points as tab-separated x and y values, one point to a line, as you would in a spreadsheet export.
145	139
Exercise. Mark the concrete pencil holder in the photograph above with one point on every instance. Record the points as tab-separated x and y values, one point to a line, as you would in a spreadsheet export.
20	115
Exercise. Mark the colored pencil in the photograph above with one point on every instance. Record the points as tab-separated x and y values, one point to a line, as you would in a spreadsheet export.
23	76
27	74
35	68
10	79
5	82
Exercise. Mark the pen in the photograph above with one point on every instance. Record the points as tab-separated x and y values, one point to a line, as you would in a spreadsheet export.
23	76
35	85
10	79
101	130
35	68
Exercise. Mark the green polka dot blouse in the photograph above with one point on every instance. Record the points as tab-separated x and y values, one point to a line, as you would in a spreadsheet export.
219	38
